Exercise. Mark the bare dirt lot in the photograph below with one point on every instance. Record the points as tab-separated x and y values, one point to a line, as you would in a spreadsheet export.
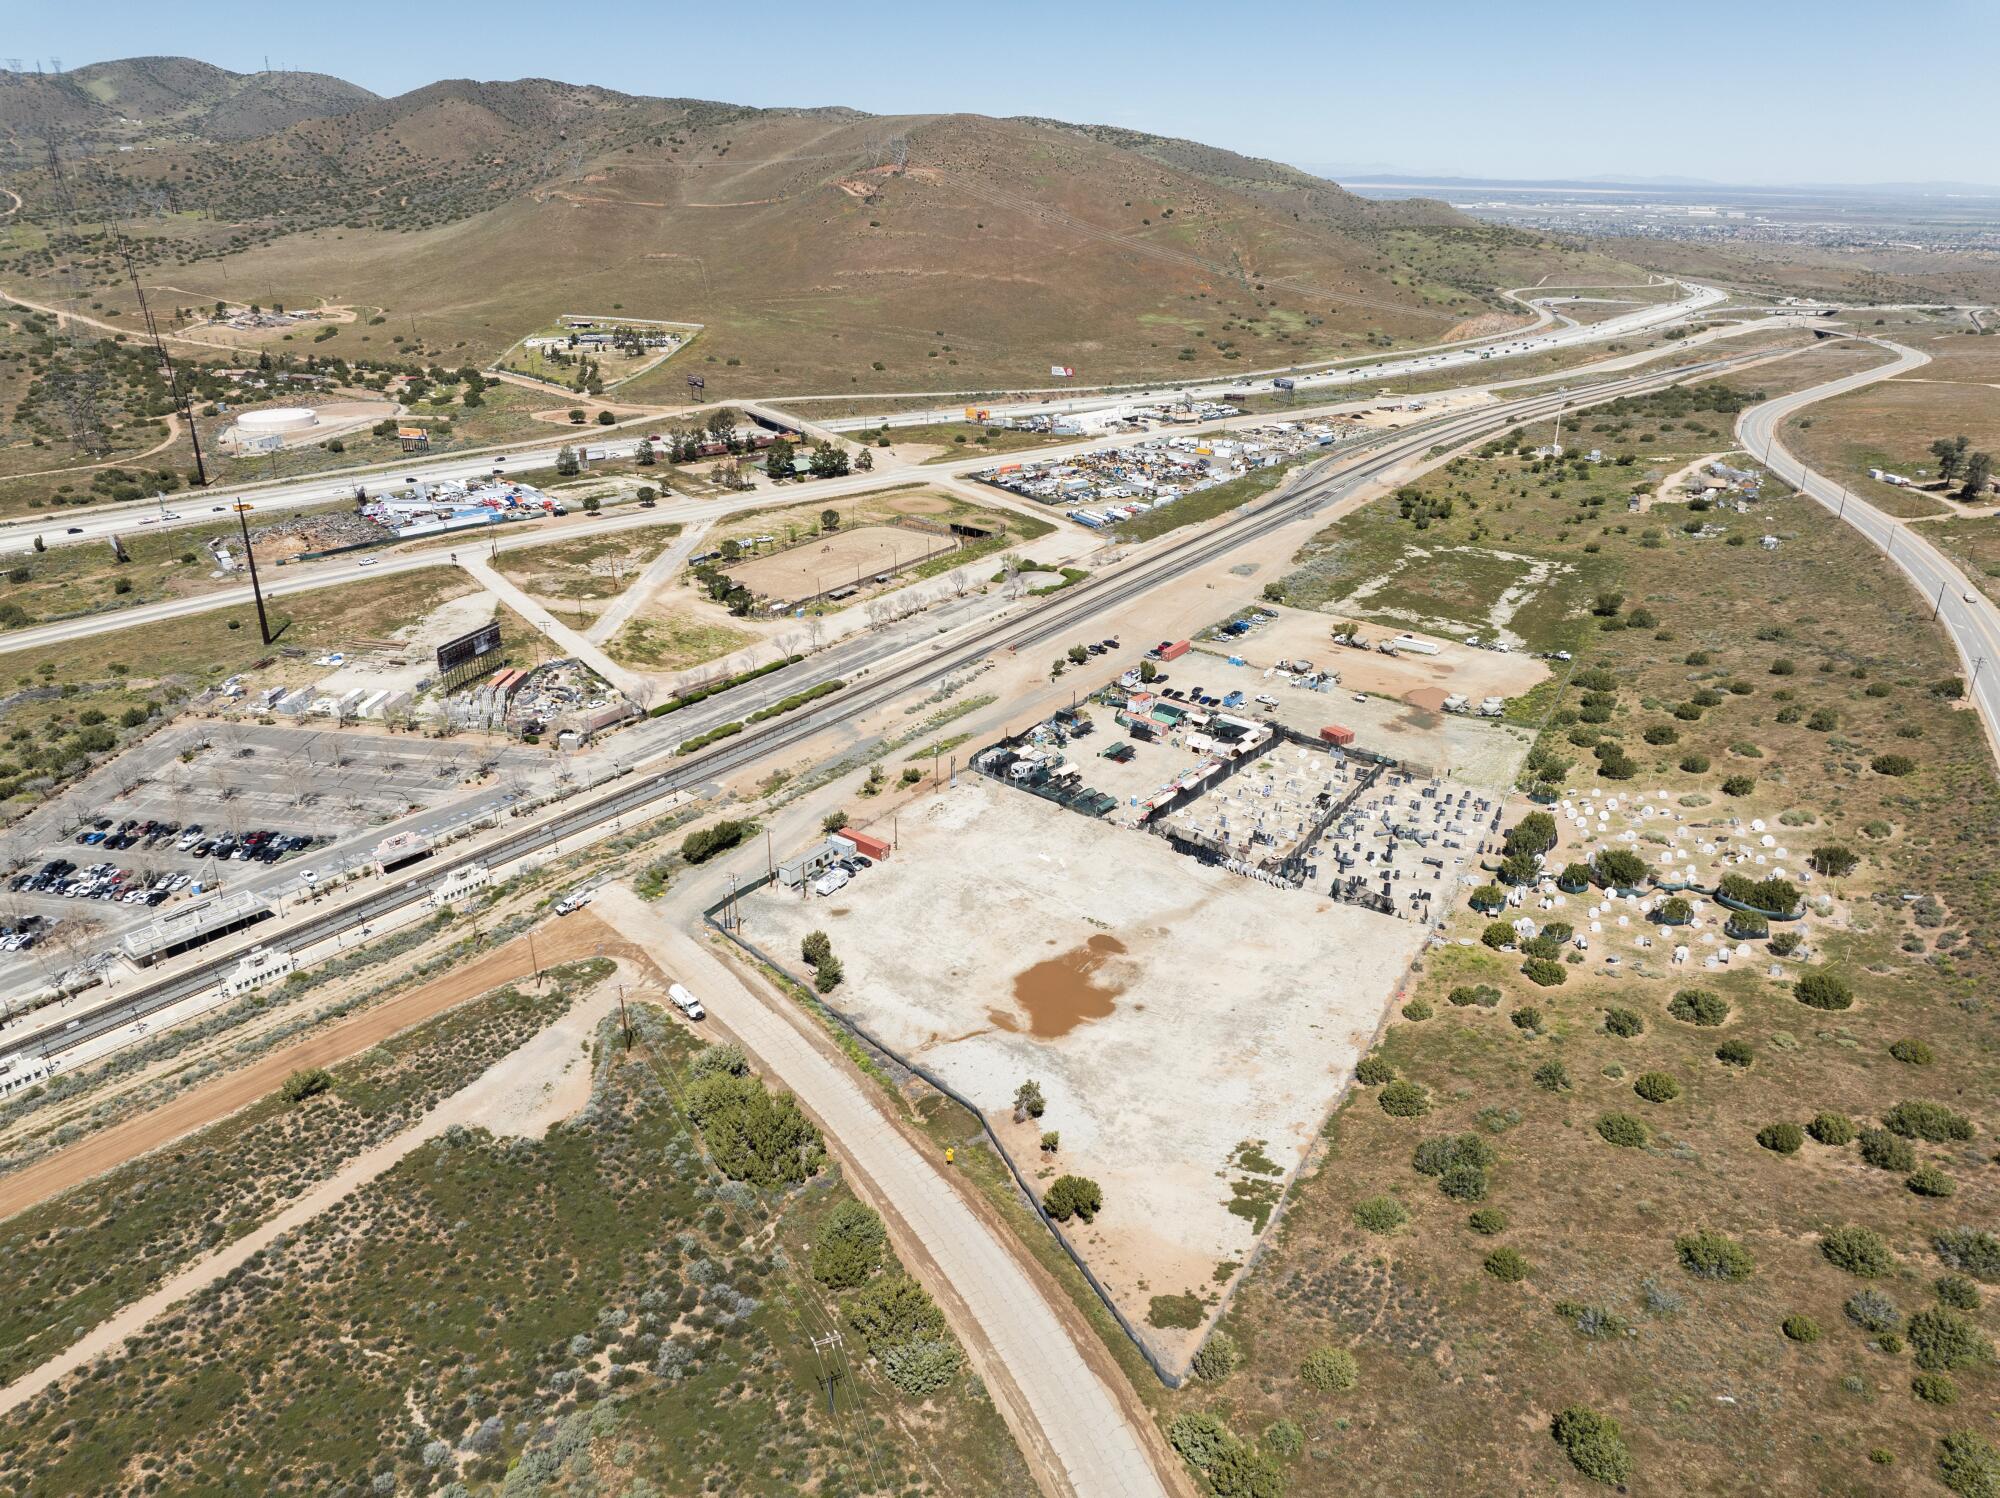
1186	1063
1306	634
845	560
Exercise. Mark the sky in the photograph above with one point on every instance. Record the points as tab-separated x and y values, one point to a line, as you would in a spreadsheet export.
1751	91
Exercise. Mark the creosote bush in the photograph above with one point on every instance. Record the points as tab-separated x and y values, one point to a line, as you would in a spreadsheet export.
1506	1265
1656	1087
1832	1128
1593	1443
1781	1138
1801	1329
1329	1370
1699	1006
1860	1251
1714	1256
1380	1214
1621	1129
1404	1099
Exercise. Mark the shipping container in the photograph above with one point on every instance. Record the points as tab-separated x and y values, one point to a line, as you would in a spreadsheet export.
874	847
1333	733
1174	651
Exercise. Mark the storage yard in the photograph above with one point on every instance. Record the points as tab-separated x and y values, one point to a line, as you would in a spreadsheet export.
842	563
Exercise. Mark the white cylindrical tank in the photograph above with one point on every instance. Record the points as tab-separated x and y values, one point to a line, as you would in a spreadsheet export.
277	419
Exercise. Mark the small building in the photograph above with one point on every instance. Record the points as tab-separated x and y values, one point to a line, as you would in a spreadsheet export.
810	864
260	967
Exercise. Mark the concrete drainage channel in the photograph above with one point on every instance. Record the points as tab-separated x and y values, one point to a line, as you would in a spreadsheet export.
756	954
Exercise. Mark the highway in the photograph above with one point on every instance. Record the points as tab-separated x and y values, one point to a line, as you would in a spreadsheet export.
1062	615
205	506
1964	612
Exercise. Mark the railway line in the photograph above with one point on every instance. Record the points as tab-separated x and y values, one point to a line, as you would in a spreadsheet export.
1062	614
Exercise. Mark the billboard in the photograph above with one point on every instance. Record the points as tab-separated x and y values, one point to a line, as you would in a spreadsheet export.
697	382
466	649
1062	371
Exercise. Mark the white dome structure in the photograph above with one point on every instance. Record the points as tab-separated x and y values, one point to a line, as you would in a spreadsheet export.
277	419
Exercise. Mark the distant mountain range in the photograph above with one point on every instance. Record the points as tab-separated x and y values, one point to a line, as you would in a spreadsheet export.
1378	174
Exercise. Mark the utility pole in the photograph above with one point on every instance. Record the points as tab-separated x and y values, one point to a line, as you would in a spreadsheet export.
828	1375
1977	662
182	403
1938	607
250	556
624	1019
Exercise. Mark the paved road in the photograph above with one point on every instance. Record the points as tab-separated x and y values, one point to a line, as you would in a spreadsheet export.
1967	616
1078	1414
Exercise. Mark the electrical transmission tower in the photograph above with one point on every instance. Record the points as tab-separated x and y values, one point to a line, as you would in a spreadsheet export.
182	404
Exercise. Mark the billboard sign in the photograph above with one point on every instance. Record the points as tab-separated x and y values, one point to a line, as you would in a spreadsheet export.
697	382
1062	371
468	648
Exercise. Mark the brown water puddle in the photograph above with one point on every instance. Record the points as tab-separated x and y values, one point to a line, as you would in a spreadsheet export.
1061	993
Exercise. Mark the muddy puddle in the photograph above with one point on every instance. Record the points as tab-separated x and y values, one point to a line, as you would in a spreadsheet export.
1057	995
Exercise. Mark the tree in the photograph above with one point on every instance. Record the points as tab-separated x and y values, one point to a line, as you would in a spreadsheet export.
829	520
1073	1196
576	417
566	461
778	459
646	456
1978	471
308	1082
1028	1101
848	1247
605	419
1620	868
893	1312
828	460
1950	455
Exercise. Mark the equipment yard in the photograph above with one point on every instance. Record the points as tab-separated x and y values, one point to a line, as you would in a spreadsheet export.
1186	1062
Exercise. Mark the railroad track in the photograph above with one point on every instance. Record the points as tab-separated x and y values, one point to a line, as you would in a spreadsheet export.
1062	614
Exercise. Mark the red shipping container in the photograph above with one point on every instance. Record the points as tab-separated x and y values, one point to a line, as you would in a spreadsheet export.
1174	651
874	847
1335	734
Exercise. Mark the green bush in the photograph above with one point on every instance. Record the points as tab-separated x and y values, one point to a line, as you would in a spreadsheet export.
305	1083
1739	785
1373	1071
1934	1388
1498	935
1832	1128
1735	1053
1956	1291
1544	972
1199	1437
1284	1438
1329	1370
1928	1180
1969	1465
1941	1339
1593	1443
1800	1329
894	1311
1832	860
1781	1138
1441	1152
1912	1052
1176	1312
1694	764
699	847
1506	1265
1713	1256
1897	765
1620	868
1552	1076
1973	1250
1885	1151
1380	1214
717	1060
753	1135
1931	1121
1699	1006
1675	911
1623	1022
1417	1010
1656	1087
1819	989
1621	1129
1404	1099
1860	1251
1487	1221
1485	995
923	1367
1073	1196
847	1249
1216	1358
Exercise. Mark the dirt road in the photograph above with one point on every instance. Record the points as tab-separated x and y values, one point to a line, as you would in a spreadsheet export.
578	936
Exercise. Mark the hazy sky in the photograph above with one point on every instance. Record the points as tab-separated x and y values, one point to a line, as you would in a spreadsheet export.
1748	91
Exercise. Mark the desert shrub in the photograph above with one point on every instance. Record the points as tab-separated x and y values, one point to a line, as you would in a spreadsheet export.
718	1059
1699	1006
1893	764
1885	1151
1623	1022
753	1135
815	947
1329	1370
1374	1071
1860	1251
894	1311
1528	1017
1781	1138
1942	1339
1912	1052
1714	1256
1417	1010
1487	1221
1956	1291
1217	1358
1934	1388
1506	1265
1620	868
1404	1099
1552	1076
1873	1311
1833	860
1199	1437
1832	1128
1931	1121
1822	990
922	1367
1073	1196
1545	972
1498	935
1621	1129
1800	1329
699	847
1928	1180
1485	995
1464	1183
1380	1214
1973	1250
1284	1438
305	1083
1176	1312
1969	1465
1735	1053
1739	785
1662	734
847	1249
1593	1444
1785	943
1656	1087
1441	1152
1695	764
1676	911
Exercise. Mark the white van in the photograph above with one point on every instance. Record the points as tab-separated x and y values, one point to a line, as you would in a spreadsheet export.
686	1002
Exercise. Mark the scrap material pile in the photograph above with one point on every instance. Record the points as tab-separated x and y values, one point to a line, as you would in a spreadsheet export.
1262	818
434	508
1125	481
1395	844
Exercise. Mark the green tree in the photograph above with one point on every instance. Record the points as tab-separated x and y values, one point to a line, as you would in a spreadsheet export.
847	1250
1028	1101
778	459
1073	1196
567	464
1950	454
1978	471
829	520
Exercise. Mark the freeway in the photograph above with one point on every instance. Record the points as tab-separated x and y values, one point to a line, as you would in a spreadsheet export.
201	507
1968	618
1062	614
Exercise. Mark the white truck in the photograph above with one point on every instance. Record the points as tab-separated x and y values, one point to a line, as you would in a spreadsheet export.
686	1002
573	901
831	881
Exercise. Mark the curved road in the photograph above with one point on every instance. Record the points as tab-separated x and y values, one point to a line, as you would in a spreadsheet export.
1967	616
